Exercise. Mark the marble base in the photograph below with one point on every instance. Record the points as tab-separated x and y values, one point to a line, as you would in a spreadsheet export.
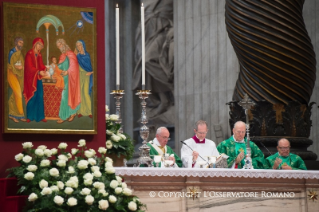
206	190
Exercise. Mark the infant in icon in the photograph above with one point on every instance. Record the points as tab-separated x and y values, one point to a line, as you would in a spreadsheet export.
55	73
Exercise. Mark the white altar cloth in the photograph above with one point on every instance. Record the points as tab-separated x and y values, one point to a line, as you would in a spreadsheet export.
205	172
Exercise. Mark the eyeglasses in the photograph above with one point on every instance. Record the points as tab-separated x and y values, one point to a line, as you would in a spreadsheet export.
166	138
284	148
201	133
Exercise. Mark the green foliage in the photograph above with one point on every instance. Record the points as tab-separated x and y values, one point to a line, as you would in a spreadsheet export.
52	178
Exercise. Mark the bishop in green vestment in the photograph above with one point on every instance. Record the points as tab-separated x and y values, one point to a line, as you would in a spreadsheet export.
283	159
158	147
235	148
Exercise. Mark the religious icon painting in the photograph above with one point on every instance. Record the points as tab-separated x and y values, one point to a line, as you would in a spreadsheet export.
49	65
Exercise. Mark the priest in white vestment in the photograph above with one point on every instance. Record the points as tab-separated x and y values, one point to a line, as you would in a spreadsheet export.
199	146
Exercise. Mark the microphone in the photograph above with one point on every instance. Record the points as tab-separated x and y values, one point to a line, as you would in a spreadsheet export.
193	150
265	147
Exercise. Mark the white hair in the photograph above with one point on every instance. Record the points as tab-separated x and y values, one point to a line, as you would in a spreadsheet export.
160	129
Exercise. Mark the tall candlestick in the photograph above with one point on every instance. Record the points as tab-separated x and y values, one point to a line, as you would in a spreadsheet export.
143	47
117	30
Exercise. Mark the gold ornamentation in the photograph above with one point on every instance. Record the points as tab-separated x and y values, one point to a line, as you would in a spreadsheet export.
193	193
312	195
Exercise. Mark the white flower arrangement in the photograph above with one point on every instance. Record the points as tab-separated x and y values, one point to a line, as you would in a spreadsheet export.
56	180
117	143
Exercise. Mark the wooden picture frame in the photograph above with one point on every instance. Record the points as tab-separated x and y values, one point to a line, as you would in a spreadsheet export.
47	97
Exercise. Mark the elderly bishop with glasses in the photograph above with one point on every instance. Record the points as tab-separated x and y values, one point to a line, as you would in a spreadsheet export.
158	147
283	159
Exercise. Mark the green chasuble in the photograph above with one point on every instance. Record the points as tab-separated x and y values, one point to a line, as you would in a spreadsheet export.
153	152
294	161
232	149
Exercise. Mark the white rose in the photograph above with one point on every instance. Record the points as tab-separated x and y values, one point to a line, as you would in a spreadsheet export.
119	179
124	185
70	170
114	184
48	152
109	144
63	157
122	136
62	146
93	151
32	168
68	190
132	206
58	200
74	151
97	173
46	191
127	191
83	164
69	155
82	143
61	163
29	176
92	161
108	165
75	179
103	204
54	188
43	147
19	157
89	199
95	168
107	108
54	172
60	185
107	117
109	132
88	154
114	117
115	138
43	184
102	150
110	170
54	151
88	182
88	176
32	197
71	183
107	159
85	191
118	190
112	199
72	201
27	145
27	159
45	163
99	185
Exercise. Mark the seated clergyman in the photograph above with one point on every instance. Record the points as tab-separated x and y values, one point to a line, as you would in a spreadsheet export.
283	159
158	147
235	148
196	150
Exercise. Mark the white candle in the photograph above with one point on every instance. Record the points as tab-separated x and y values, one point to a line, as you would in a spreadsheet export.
117	30
143	46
